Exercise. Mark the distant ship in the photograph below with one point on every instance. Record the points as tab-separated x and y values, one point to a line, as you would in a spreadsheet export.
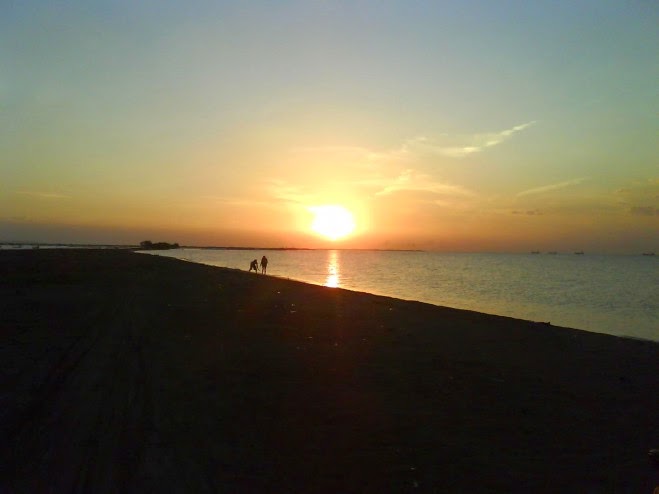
648	253
579	252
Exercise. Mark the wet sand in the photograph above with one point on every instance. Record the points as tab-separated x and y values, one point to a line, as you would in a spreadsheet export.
122	372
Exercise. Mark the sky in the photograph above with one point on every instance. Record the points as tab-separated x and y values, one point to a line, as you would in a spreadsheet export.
472	126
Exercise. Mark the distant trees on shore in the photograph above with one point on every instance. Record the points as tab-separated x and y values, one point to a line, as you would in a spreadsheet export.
148	245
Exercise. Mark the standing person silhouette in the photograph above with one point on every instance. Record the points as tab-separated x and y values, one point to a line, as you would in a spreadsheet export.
264	264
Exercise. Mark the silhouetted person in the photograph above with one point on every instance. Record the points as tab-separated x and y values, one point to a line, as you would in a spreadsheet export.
254	265
264	264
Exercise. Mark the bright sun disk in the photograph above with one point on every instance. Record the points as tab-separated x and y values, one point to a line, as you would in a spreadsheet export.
332	222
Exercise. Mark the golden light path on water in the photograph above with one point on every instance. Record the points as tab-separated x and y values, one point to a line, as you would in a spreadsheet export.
332	280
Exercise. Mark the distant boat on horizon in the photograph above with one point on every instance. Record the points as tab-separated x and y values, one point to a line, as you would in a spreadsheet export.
535	252
648	253
579	253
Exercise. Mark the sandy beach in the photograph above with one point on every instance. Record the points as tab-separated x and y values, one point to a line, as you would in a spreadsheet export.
123	372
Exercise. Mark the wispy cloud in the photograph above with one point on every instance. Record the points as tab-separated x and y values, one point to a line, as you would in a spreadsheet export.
286	192
459	146
449	145
408	185
41	195
409	180
391	171
552	187
644	192
644	211
225	201
531	212
642	197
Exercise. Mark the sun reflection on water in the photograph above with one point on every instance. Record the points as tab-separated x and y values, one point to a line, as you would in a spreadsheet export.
332	280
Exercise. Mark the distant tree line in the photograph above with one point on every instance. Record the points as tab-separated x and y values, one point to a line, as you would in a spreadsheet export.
148	245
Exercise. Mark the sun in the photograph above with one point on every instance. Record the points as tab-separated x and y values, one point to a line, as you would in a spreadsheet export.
332	222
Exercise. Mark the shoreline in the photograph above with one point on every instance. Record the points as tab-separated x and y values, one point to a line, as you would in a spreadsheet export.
410	300
123	372
549	317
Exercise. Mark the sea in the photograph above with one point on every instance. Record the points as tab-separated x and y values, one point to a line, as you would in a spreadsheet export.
612	294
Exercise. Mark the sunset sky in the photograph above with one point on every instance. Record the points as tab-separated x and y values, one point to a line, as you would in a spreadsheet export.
453	126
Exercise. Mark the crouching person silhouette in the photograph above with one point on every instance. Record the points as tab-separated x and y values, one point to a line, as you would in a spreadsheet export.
254	265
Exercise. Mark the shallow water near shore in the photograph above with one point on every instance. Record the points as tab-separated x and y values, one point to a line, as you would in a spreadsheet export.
616	295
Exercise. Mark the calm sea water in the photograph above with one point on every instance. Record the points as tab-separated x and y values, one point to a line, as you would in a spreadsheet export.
606	294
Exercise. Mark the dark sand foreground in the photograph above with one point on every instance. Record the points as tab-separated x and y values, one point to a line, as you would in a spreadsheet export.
123	372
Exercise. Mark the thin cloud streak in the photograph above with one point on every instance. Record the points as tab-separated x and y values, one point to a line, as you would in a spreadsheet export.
552	187
408	180
460	146
285	192
452	146
42	195
644	211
